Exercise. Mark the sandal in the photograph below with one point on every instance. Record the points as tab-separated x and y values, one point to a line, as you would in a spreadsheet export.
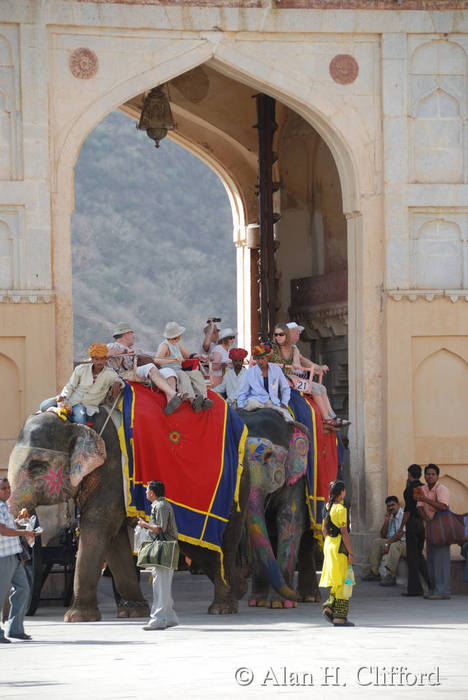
173	404
197	403
346	623
328	615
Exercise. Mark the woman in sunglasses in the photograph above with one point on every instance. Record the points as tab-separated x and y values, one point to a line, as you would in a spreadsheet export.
285	353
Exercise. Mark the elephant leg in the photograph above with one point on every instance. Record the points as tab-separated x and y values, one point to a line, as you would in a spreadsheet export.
89	562
234	586
260	588
290	522
307	584
121	563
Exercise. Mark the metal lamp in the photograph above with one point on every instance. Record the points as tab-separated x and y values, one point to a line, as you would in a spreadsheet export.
156	116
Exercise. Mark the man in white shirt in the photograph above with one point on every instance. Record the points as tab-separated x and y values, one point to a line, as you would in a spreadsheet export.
233	376
389	547
88	386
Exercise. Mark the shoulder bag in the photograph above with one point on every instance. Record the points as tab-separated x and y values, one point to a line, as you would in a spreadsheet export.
158	552
447	528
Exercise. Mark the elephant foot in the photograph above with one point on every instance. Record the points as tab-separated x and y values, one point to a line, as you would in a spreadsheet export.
133	609
311	598
226	607
260	603
280	604
75	614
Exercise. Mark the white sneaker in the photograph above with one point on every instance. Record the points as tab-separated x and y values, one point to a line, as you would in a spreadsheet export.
155	626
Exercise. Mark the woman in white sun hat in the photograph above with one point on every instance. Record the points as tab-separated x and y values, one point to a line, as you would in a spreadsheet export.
220	354
171	354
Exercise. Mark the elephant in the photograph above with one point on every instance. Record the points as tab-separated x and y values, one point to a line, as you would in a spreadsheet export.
278	520
54	460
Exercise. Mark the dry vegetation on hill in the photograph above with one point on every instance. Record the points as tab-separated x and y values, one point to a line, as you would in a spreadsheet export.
151	239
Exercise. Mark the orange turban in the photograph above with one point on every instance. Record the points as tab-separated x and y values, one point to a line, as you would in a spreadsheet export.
97	350
262	350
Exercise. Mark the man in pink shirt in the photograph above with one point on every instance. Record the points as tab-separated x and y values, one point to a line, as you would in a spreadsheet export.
433	497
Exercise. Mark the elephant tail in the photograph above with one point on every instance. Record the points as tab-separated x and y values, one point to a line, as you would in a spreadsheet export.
263	552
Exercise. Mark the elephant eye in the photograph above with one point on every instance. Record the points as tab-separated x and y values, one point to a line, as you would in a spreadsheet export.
35	466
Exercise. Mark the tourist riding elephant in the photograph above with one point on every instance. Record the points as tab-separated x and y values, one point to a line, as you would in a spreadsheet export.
278	518
54	460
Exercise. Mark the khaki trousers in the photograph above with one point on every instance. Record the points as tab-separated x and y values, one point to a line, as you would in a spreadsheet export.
390	560
191	383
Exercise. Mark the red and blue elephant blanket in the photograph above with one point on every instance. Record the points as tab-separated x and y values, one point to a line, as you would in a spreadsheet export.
198	456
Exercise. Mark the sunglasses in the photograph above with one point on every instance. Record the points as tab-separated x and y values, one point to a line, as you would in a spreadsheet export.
276	334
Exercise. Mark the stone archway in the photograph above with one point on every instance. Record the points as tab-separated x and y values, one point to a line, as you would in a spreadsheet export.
349	145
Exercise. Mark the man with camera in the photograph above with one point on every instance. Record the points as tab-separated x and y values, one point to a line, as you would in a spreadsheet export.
210	336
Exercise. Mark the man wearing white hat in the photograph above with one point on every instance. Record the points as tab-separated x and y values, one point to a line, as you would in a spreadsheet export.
172	355
220	354
122	356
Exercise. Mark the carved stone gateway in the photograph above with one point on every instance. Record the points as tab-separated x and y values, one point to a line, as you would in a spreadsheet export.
383	86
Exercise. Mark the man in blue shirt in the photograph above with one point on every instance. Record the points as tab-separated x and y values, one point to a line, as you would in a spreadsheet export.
264	385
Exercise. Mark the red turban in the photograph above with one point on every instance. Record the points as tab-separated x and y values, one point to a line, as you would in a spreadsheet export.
238	354
262	350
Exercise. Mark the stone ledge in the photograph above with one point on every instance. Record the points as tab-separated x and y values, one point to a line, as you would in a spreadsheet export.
27	296
427	294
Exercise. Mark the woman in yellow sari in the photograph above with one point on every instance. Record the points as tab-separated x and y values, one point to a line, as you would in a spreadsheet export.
337	557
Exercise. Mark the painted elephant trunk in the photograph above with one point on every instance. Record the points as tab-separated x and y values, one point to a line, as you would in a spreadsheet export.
262	549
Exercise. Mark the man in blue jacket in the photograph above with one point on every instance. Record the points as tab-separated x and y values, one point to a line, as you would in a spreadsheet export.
264	385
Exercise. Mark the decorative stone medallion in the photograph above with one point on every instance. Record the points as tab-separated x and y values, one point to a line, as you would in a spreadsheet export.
344	69
83	63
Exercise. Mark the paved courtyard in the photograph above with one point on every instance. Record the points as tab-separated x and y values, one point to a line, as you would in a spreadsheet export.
258	653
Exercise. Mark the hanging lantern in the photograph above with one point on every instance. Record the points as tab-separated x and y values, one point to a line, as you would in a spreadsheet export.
156	116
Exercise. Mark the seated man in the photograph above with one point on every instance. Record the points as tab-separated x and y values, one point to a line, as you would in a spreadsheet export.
233	376
261	385
389	547
122	356
319	391
88	386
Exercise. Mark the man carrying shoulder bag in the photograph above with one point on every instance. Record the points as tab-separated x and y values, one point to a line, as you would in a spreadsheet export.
162	526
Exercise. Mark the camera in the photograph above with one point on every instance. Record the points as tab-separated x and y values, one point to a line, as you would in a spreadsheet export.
215	320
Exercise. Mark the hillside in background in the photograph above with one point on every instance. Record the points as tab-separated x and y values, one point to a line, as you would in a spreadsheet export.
151	239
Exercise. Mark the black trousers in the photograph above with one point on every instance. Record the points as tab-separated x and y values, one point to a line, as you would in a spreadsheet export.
415	535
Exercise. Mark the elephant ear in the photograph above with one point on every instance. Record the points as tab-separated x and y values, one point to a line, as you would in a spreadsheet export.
89	452
296	465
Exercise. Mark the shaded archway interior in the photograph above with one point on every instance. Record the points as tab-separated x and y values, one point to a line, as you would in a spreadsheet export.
215	116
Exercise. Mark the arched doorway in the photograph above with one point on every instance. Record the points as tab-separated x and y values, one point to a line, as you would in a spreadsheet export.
235	156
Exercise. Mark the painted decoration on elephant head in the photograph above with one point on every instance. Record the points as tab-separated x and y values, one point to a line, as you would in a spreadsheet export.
54	481
88	454
267	462
297	456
